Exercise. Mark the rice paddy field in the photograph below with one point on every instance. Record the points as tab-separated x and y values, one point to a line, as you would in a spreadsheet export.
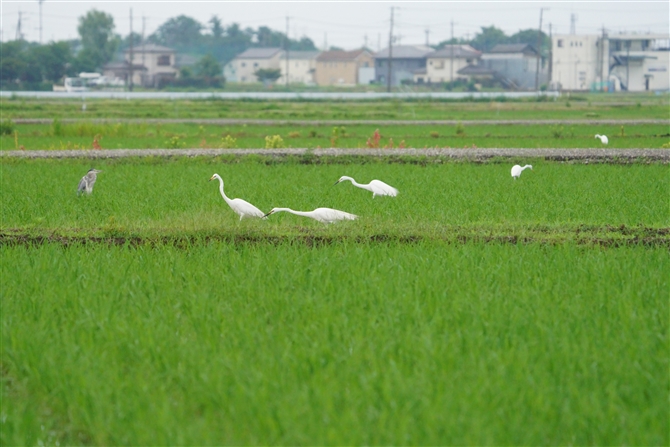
472	309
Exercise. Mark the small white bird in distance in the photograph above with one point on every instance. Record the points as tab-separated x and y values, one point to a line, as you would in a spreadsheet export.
377	187
603	138
241	207
323	215
86	183
516	170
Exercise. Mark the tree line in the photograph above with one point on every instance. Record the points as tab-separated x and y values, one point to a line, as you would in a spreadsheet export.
33	66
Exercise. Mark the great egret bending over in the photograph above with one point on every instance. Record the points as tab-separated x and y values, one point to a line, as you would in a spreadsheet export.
241	207
86	183
603	138
516	170
377	187
324	215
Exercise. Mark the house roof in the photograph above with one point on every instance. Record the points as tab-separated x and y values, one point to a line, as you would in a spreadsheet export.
405	52
513	48
459	51
125	65
259	53
340	55
150	48
475	70
292	55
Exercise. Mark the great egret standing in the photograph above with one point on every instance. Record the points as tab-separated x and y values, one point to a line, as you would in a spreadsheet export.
516	170
86	183
323	215
603	138
241	207
377	187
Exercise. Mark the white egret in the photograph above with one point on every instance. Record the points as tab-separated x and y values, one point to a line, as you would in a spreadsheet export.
603	138
241	207
323	215
377	187
516	170
86	183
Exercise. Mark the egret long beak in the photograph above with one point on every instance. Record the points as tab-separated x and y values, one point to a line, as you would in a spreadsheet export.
211	178
267	214
336	183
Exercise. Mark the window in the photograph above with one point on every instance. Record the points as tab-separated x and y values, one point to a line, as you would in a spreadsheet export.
164	60
559	43
255	64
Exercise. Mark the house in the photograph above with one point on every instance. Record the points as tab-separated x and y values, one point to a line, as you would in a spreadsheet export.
633	62
517	64
300	66
404	60
344	68
159	61
443	65
121	70
242	68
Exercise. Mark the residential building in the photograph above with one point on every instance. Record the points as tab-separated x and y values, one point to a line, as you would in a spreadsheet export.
159	63
344	68
242	68
404	60
633	62
517	65
443	65
301	66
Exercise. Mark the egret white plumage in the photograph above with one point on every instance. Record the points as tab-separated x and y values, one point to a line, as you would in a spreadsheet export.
517	170
603	138
241	207
86	183
377	187
323	215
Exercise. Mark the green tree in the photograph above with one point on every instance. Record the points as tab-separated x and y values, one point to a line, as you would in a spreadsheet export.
267	75
12	63
178	32
488	38
54	59
208	67
96	30
217	29
529	36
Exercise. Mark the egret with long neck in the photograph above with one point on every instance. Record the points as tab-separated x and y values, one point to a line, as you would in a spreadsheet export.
323	215
241	207
517	170
377	187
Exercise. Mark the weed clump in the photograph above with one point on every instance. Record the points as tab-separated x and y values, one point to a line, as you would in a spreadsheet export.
274	142
6	127
228	142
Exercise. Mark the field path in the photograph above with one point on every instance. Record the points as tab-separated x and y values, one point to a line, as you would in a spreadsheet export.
277	122
586	155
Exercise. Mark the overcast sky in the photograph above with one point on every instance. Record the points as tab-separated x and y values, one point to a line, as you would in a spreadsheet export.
346	24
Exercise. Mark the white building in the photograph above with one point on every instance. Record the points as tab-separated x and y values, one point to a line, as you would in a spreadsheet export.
633	62
300	66
442	65
242	68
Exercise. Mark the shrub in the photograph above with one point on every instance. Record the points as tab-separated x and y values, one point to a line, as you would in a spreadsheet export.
274	142
460	129
6	127
228	142
435	134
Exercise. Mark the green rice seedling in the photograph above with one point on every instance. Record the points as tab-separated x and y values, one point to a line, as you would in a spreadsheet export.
334	343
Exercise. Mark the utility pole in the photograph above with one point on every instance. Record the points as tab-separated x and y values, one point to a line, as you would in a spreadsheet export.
551	53
130	81
573	21
287	50
627	65
144	51
603	57
451	56
19	36
539	52
388	81
427	34
40	3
